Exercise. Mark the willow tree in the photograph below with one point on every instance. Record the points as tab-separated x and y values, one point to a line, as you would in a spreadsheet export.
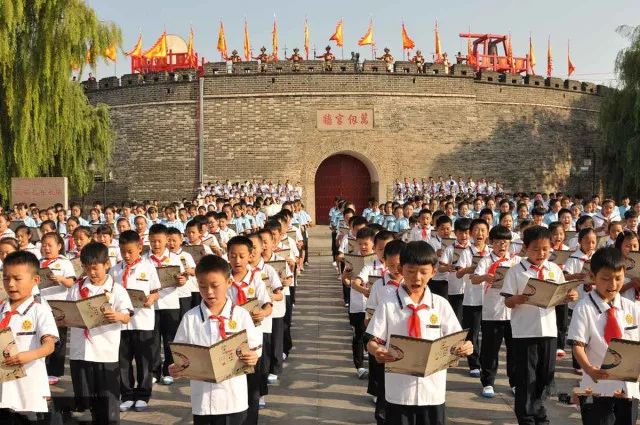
620	121
47	126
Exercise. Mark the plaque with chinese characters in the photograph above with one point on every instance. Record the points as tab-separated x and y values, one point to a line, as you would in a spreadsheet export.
344	119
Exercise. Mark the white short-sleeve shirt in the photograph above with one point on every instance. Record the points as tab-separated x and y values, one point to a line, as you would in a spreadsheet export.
270	277
493	307
61	266
255	288
169	299
142	276
358	300
473	294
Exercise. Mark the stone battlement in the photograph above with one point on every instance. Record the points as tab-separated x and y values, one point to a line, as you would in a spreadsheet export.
345	67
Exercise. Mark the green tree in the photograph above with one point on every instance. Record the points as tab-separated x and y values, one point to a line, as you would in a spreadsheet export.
620	121
47	126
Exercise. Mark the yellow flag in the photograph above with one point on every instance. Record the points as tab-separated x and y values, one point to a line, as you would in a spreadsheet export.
438	48
110	53
367	39
247	45
191	57
532	55
159	49
136	52
306	39
337	36
222	42
274	39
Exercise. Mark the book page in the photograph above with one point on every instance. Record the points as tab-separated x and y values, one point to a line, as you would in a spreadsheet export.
46	280
499	277
167	276
441	352
456	255
193	361
352	246
446	242
92	310
196	251
412	355
77	267
560	256
225	358
621	361
66	314
355	263
138	298
8	348
546	294
251	306
632	265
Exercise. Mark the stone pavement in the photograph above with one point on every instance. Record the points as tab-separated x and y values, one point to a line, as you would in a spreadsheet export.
319	385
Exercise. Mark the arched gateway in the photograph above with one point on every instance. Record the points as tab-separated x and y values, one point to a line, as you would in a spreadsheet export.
341	175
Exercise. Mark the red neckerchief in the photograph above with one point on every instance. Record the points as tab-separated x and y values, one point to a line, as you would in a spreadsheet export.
127	270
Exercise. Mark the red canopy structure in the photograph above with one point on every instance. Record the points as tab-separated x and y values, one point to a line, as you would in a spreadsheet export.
177	58
487	54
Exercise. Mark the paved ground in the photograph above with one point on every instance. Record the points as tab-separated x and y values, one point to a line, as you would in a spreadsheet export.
319	385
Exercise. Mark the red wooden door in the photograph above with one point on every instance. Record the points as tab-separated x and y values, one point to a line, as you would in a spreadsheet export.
344	176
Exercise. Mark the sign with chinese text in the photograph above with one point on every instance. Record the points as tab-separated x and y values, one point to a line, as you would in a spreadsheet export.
344	119
44	191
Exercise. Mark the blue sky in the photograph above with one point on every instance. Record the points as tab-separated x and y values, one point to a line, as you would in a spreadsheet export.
589	24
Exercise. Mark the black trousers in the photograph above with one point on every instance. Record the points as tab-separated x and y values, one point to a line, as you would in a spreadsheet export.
471	318
574	362
167	322
439	287
230	419
305	247
536	362
253	392
334	244
9	417
397	414
493	332
292	291
277	342
55	361
456	305
608	411
562	322
196	299
265	362
185	305
287	342
357	341
136	345
96	386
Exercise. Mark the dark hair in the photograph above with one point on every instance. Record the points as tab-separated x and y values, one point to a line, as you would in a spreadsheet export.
535	233
240	240
104	229
94	253
56	236
584	232
394	247
213	263
582	219
173	231
462	224
630	214
27	229
555	225
192	223
366	233
418	253
10	241
424	211
500	233
272	224
375	226
357	220
22	257
625	234
382	235
82	229
129	236
608	258
443	219
479	222
486	211
158	229
539	211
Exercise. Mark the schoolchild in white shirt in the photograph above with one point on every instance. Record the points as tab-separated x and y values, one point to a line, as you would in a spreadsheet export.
213	320
245	287
194	236
72	224
5	231
142	229
598	318
582	222
167	315
34	329
533	328
473	294
137	337
104	235
562	310
226	233
608	214
388	284
422	232
23	235
627	242
94	352
7	246
439	284
615	228
496	325
449	265
211	236
187	293
63	276
416	312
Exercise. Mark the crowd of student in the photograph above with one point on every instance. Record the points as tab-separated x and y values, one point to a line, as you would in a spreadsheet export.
437	188
114	367
279	191
435	271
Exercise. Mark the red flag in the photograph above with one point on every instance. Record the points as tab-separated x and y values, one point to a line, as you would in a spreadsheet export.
274	39
471	58
306	39
407	42
337	36
570	68
367	39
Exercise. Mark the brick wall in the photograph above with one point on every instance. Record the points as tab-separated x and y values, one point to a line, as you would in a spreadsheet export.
264	126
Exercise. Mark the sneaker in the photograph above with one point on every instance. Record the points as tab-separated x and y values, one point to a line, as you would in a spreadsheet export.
167	380
262	403
362	373
374	399
513	390
53	380
140	406
487	392
474	373
272	379
334	264
346	304
126	405
560	354
154	380
284	356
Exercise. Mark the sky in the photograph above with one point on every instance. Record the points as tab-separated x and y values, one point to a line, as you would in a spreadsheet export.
589	25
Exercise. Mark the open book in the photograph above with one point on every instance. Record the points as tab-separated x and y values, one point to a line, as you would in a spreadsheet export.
251	306
196	251
216	363
86	313
547	294
46	281
621	361
138	298
283	252
355	263
632	264
280	266
167	276
352	245
560	256
499	277
422	357
447	242
77	267
9	348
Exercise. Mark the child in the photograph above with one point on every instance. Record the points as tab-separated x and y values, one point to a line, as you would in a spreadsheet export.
245	287
5	232
534	328
188	294
418	313
438	285
495	324
167	306
72	224
94	352
388	284
64	275
7	246
137	337
607	215
557	236
615	228
81	238
104	235
472	300
35	333
23	235
194	236
449	265
141	227
582	222
356	223
422	232
602	315
627	242
210	322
